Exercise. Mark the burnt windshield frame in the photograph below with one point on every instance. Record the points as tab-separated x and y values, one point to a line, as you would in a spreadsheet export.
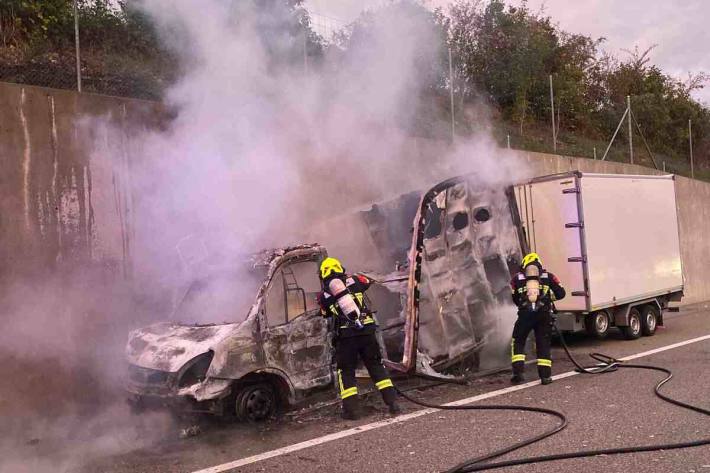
249	283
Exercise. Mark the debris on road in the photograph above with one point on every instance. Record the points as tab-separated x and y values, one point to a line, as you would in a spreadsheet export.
192	431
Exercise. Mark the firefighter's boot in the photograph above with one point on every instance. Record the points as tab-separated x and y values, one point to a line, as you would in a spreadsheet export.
389	395
517	378
350	411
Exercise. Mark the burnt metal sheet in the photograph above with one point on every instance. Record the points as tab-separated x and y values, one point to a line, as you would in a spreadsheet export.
167	347
464	245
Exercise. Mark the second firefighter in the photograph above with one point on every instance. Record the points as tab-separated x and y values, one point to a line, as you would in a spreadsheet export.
534	291
342	299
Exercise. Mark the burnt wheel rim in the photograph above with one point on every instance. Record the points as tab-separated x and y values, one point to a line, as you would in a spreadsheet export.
258	404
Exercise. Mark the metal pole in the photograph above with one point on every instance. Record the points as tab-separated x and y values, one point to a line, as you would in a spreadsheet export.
552	105
451	93
631	136
690	142
664	166
595	152
509	141
305	53
643	138
78	52
618	127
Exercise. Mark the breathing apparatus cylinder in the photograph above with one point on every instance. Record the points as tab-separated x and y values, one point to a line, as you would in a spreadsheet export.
532	285
346	301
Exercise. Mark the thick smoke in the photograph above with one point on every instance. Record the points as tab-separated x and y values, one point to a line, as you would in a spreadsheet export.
264	143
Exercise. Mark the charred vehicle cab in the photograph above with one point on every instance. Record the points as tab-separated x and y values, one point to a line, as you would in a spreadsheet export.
275	354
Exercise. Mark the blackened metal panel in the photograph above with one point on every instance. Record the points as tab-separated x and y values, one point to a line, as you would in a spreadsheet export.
459	298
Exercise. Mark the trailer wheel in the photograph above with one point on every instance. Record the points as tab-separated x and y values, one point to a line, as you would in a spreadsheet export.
256	402
598	324
633	330
649	319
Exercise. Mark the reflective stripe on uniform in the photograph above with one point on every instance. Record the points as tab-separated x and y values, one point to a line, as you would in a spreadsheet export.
345	392
517	358
544	362
385	383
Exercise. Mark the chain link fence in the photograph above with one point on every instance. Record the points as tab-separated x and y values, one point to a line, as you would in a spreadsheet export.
116	51
59	71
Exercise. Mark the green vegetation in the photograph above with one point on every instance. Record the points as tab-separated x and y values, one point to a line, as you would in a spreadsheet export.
503	57
121	54
507	54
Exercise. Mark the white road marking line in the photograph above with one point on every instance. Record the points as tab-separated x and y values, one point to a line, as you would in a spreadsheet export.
665	348
403	418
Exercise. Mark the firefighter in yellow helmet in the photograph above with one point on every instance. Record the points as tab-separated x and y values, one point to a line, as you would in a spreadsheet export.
534	291
342	299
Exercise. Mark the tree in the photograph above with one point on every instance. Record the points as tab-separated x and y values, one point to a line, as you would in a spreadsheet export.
508	53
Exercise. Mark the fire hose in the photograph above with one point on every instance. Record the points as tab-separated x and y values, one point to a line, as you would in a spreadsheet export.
605	364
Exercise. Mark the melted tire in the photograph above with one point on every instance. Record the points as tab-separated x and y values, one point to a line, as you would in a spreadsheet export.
255	402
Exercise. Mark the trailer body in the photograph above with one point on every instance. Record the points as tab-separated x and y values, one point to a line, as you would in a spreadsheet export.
612	239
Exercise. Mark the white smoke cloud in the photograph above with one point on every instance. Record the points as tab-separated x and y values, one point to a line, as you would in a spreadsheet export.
260	147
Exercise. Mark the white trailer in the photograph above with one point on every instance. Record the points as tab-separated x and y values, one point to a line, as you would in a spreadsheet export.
612	240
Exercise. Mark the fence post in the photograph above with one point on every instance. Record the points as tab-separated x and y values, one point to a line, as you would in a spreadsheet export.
305	52
631	136
451	94
690	143
552	105
78	51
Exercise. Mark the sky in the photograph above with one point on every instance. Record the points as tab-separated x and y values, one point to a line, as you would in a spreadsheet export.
678	28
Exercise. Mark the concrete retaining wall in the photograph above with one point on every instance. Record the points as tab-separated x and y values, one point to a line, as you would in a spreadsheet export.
62	203
65	203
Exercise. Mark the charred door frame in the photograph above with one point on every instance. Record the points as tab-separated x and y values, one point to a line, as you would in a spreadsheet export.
278	260
411	321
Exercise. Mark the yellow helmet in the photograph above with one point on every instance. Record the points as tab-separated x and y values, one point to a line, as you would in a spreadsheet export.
330	265
531	258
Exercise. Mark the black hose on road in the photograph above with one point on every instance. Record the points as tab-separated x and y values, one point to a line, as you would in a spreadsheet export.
605	364
497	453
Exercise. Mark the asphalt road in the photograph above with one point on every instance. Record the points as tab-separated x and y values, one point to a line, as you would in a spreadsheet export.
610	410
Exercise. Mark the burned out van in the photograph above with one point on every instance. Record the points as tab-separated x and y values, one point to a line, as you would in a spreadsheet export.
276	350
442	258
